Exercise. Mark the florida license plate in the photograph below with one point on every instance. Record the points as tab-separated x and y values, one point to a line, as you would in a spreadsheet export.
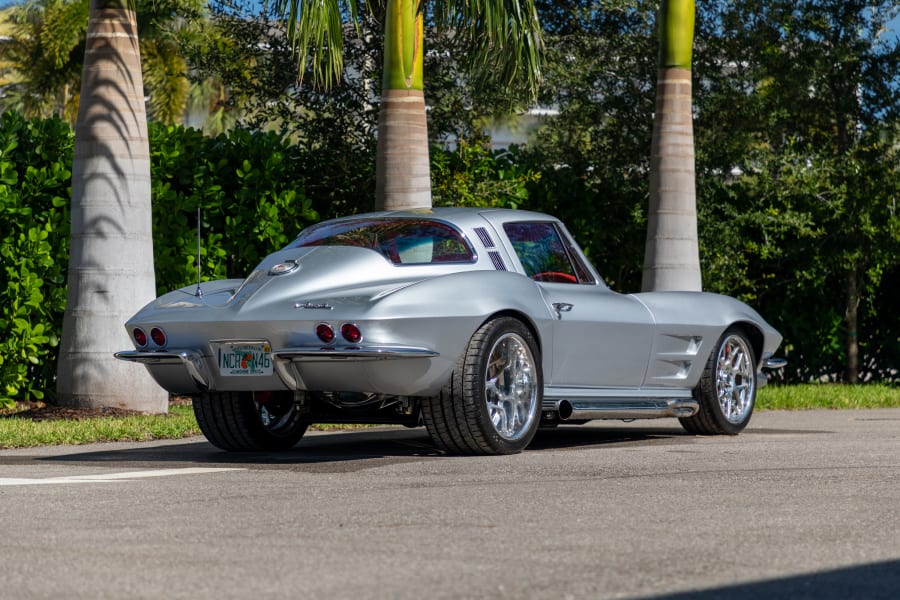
245	359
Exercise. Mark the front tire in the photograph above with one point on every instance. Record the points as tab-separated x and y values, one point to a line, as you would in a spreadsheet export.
492	404
727	388
248	421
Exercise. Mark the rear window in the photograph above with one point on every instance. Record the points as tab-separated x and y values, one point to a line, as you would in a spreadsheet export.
401	241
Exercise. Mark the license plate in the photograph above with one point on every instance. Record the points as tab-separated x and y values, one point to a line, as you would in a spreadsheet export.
253	359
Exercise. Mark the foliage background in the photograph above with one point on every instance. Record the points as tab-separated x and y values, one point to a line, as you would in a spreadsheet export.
245	182
796	147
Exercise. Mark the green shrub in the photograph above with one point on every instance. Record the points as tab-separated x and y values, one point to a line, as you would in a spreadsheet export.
35	162
244	186
474	175
254	190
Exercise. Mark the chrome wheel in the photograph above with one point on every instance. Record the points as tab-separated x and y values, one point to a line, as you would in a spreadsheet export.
492	402
511	391
735	379
726	391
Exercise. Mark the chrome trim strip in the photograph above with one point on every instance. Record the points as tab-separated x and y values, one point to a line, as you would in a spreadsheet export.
325	353
607	394
189	359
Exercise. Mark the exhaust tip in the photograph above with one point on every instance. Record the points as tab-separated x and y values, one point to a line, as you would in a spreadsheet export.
565	410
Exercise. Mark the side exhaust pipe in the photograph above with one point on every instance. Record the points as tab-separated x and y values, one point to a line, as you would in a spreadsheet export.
587	410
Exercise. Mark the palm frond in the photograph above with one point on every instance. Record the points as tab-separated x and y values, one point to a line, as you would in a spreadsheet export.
505	36
315	29
42	55
63	29
165	76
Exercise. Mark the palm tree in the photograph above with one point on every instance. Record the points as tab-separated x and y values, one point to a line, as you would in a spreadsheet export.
42	58
111	257
505	41
671	255
402	169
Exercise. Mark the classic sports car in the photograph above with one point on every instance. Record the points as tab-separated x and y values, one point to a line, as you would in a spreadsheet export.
481	324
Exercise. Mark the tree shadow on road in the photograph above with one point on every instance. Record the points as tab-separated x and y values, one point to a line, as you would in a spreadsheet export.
366	447
573	437
875	581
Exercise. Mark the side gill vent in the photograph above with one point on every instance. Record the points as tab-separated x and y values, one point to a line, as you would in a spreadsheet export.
485	237
498	262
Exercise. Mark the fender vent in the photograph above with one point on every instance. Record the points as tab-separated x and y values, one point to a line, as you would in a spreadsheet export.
485	237
497	260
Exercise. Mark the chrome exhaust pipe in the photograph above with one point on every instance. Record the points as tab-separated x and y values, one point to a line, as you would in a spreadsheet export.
587	410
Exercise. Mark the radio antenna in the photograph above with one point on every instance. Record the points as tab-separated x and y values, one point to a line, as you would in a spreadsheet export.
199	291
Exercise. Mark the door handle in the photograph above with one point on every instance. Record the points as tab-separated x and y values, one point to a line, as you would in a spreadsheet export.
561	307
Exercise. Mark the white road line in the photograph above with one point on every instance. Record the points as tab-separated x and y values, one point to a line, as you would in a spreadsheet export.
112	477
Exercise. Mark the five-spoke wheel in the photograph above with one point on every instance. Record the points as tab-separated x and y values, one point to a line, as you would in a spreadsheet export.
492	404
510	390
727	389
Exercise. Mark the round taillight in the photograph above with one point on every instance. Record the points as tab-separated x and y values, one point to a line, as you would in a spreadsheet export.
351	333
158	336
140	337
325	332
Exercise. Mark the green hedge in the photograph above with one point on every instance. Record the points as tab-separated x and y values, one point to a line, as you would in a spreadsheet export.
35	176
247	189
244	183
254	191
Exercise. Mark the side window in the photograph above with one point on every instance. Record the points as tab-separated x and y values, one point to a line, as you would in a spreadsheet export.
541	252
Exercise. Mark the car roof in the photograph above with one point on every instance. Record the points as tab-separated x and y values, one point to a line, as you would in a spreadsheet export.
464	217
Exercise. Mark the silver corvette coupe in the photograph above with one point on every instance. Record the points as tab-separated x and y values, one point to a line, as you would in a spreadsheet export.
483	325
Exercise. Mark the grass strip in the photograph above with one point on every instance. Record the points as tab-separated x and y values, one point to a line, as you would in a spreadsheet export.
25	433
178	423
827	396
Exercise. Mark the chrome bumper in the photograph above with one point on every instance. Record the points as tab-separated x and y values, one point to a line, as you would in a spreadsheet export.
768	363
182	369
187	371
774	363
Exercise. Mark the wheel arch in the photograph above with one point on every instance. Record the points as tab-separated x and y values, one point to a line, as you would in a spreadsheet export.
519	316
754	335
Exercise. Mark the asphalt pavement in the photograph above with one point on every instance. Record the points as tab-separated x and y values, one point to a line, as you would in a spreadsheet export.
801	505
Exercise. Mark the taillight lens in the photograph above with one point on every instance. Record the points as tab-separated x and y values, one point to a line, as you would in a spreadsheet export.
351	333
140	337
158	336
325	332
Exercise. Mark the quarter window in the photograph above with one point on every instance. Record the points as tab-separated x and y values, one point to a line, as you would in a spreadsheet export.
542	252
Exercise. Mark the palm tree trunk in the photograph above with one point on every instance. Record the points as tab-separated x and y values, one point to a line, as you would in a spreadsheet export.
671	254
402	168
111	261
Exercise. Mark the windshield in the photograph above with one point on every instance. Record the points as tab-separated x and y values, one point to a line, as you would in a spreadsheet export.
401	241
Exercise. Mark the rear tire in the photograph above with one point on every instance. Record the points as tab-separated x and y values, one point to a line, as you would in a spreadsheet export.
727	388
492	404
237	422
